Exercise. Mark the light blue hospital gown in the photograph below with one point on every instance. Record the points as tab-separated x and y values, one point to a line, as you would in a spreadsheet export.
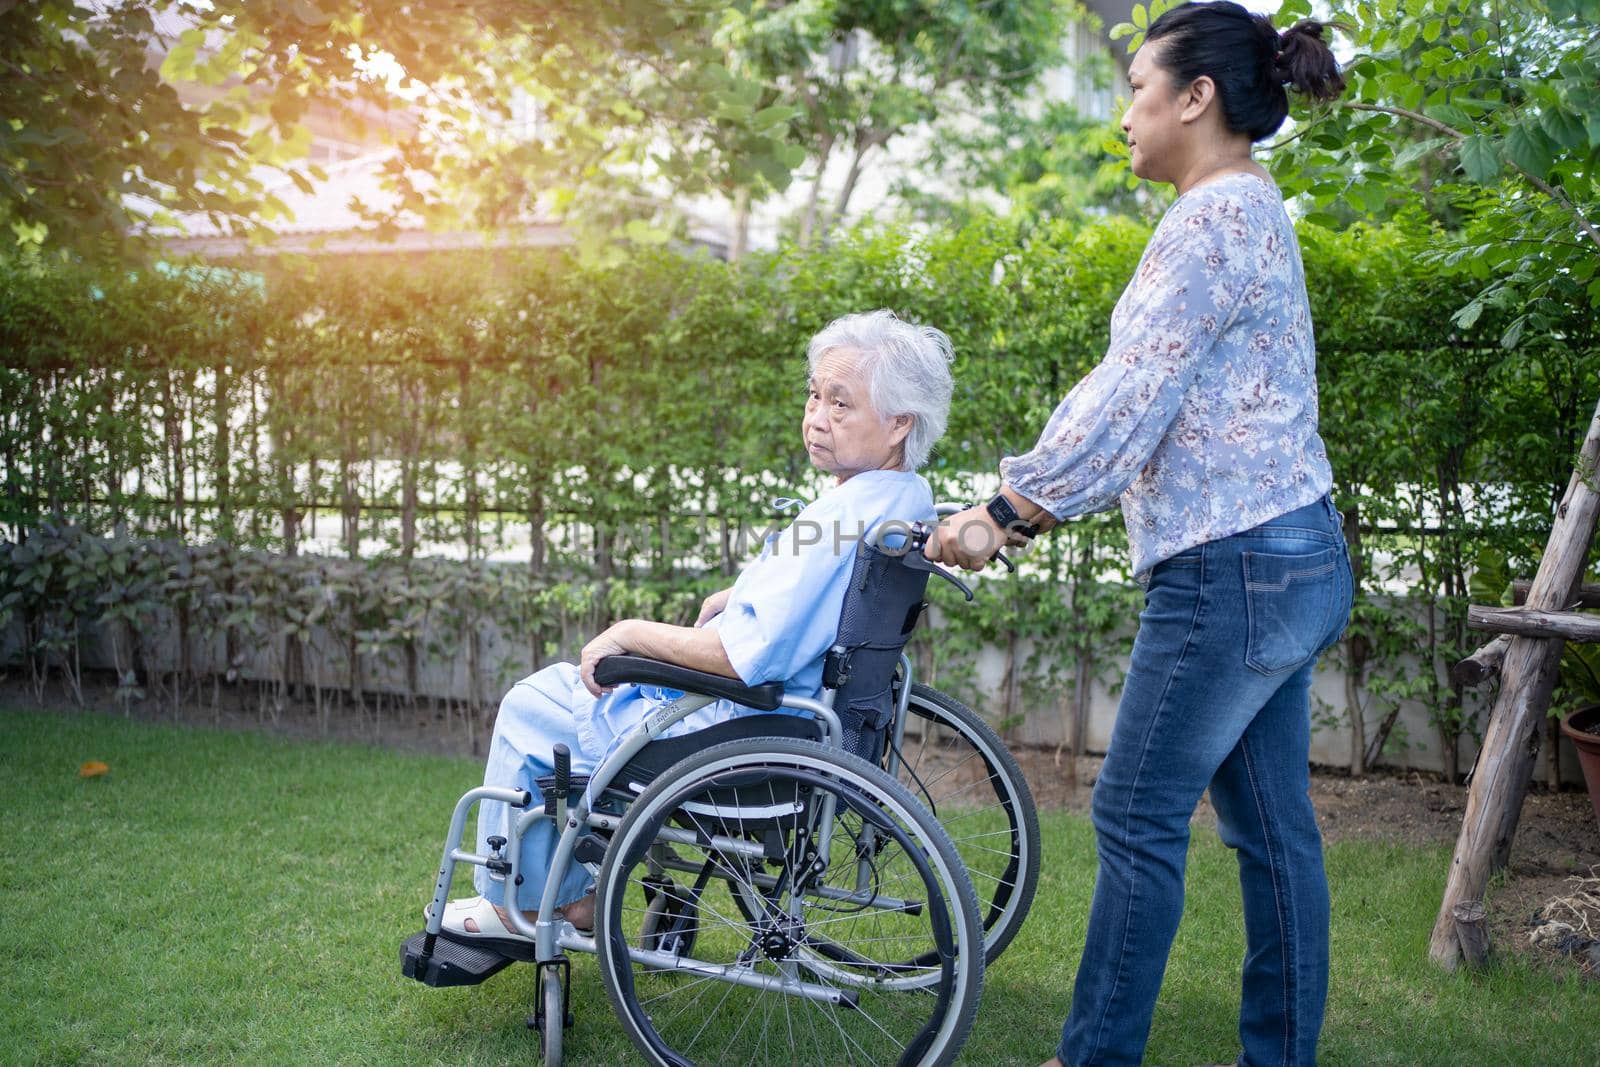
780	621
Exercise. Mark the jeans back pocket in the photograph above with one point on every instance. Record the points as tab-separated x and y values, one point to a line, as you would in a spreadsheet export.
1289	601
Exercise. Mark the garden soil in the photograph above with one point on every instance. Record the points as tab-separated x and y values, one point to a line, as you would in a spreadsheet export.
1555	860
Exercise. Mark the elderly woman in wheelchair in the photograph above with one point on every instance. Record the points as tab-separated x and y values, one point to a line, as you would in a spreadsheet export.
743	874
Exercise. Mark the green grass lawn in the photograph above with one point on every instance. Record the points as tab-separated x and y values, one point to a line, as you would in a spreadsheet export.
239	898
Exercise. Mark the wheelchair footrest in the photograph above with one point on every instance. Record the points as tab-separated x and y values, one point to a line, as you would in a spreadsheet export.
451	963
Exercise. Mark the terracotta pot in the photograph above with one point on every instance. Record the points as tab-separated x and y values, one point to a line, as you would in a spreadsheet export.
1577	727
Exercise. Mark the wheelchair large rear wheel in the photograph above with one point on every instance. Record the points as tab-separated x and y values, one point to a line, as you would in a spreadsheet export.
833	923
957	765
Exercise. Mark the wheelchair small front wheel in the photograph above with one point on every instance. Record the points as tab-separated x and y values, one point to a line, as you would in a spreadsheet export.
553	1025
834	922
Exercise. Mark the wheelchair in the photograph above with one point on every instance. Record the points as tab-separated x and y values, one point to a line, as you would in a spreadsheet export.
830	880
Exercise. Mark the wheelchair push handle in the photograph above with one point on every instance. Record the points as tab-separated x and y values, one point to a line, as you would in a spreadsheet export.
911	536
947	509
563	768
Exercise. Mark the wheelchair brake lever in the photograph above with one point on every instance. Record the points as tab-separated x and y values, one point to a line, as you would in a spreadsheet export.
917	561
1027	530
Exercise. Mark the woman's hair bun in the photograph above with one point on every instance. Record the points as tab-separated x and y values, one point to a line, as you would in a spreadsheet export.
1305	63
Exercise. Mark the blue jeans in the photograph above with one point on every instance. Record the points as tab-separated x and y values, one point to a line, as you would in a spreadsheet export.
1218	696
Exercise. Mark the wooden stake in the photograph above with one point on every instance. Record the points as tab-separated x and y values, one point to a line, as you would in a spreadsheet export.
1573	626
1483	664
1588	596
1471	934
1531	622
1505	763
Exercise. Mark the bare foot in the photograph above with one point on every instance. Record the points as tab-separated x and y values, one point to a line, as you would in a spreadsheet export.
1051	1062
471	924
579	913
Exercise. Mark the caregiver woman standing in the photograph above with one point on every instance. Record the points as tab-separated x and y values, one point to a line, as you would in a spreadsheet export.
1202	422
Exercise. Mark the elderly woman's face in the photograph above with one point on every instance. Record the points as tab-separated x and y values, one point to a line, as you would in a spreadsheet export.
843	434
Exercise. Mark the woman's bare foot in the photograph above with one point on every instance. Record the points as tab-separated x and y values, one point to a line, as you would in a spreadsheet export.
579	913
471	925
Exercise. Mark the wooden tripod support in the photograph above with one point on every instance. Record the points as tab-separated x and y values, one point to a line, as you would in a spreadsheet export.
1528	663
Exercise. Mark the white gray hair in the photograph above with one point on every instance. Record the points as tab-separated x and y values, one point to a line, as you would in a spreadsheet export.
906	369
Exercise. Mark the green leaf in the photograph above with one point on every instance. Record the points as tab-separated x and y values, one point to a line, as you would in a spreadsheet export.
1134	35
1416	151
1479	159
1529	149
1490	577
1450	115
790	155
1513	332
1564	128
179	65
769	117
1566	8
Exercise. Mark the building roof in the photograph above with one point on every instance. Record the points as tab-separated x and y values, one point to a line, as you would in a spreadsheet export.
326	221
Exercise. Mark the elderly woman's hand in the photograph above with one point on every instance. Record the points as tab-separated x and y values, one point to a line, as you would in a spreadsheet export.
613	642
713	605
969	539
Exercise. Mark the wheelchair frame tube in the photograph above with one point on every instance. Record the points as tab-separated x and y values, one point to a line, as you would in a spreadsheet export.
827	892
823	710
454	853
728	972
892	758
546	933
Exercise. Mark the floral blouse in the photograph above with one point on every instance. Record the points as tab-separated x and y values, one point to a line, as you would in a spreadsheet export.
1202	418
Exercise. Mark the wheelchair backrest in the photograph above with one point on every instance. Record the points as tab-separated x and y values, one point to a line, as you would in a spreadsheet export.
881	608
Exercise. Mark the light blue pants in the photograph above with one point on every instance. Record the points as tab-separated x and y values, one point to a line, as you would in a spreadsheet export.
535	716
1218	696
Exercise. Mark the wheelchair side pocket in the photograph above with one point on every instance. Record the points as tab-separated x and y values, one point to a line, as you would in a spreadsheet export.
1289	601
866	724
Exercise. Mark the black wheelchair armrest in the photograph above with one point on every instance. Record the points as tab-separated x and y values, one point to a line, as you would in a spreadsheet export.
637	670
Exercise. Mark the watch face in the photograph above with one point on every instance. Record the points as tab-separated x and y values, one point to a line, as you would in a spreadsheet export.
1001	511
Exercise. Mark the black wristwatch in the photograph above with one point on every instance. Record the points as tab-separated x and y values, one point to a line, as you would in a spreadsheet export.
1001	511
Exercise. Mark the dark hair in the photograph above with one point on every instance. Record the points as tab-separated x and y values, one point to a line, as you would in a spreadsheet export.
1249	61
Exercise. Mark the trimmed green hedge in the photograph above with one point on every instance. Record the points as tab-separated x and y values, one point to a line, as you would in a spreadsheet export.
619	428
